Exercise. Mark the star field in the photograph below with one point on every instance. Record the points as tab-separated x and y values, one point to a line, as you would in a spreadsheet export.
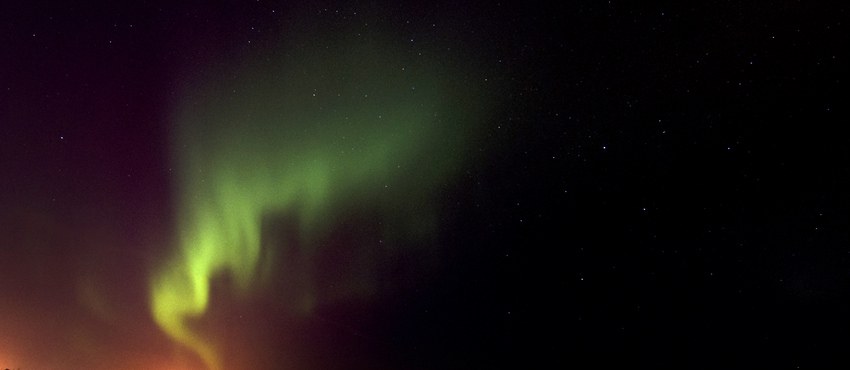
421	185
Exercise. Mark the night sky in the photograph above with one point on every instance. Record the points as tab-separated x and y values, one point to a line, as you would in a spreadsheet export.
423	185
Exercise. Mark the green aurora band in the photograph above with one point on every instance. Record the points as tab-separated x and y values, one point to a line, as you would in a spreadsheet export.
310	133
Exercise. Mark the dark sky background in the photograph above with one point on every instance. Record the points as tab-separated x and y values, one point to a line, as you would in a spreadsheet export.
659	184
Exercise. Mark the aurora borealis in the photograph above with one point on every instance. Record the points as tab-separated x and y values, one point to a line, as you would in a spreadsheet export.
315	135
418	185
274	176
